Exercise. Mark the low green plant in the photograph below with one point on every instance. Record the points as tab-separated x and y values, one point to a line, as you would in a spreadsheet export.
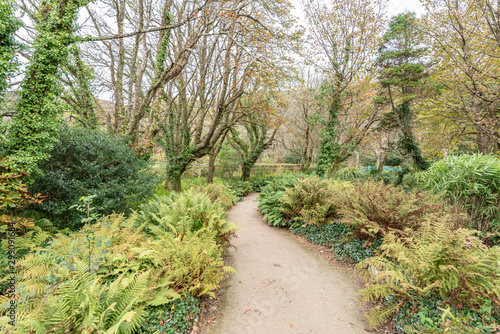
472	182
452	264
374	209
314	201
176	317
184	213
433	314
270	198
349	174
338	237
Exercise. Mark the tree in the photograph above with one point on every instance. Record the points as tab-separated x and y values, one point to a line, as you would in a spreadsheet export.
465	41
205	100
32	133
256	131
402	71
346	33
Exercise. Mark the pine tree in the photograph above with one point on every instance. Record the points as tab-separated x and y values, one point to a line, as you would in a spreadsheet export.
402	72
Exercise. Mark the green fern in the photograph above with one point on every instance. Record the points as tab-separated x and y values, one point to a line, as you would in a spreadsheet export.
455	265
314	201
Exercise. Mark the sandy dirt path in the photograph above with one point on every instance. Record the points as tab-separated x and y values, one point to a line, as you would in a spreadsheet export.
282	285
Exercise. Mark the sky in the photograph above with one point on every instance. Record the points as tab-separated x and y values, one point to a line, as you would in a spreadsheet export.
393	7
398	6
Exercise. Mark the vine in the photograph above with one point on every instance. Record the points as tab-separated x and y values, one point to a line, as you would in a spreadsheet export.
33	130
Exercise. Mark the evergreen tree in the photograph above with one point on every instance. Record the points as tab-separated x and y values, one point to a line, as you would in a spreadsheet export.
402	71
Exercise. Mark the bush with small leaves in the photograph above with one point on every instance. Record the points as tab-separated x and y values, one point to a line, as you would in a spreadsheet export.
90	162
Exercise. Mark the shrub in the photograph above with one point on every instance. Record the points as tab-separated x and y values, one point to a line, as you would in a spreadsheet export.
453	264
314	201
269	198
471	181
373	209
14	196
184	213
90	162
349	174
219	192
176	317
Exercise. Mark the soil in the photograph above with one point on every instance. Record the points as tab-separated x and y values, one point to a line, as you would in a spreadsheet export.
283	284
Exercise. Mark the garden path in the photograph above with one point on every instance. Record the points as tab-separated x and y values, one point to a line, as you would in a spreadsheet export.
282	285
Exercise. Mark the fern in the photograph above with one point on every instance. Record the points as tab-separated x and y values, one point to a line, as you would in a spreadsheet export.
374	209
454	265
314	201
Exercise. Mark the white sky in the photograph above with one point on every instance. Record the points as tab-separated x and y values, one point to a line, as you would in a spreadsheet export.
394	7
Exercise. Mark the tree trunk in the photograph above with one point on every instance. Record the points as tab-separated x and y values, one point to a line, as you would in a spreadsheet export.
381	162
245	171
174	183
211	167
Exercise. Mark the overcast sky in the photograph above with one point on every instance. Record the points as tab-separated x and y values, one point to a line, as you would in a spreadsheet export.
394	7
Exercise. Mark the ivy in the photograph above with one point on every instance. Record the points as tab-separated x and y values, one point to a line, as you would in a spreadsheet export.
8	26
33	130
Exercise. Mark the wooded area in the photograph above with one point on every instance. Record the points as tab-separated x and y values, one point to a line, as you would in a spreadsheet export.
194	77
130	127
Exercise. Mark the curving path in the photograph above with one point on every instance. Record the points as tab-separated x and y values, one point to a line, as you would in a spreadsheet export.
282	285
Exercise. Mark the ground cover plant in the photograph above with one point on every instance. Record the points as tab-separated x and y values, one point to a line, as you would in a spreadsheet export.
339	238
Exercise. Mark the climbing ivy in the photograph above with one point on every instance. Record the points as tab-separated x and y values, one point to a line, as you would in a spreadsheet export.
32	133
8	26
329	151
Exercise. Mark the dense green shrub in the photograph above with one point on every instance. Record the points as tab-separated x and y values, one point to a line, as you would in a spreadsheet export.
269	198
314	201
184	213
176	317
471	181
373	209
90	162
452	264
259	182
349	174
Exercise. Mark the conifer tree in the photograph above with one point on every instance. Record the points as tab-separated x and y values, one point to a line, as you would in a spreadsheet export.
402	71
